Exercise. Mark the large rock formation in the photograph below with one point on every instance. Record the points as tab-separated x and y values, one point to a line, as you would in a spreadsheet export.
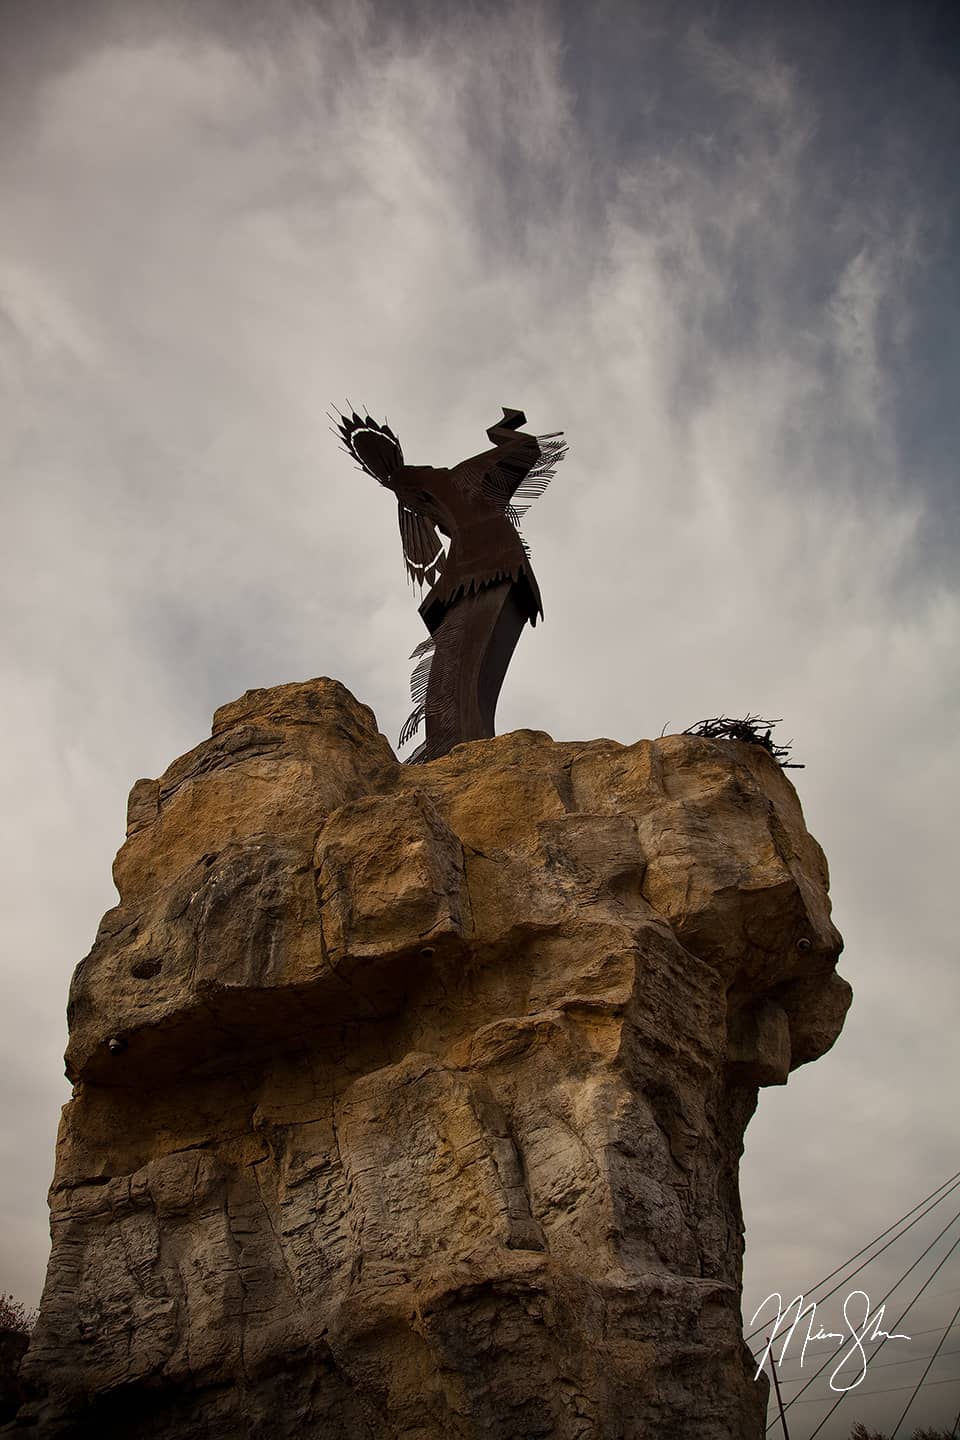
409	1100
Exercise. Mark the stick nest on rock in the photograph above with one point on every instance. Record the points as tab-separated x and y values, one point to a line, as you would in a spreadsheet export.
752	730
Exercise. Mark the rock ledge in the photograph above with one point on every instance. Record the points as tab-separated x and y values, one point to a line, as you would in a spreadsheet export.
427	1087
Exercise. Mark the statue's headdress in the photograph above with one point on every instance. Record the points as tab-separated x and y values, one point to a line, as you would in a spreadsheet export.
375	447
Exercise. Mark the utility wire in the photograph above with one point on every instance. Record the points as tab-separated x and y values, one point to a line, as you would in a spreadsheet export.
789	1360
924	1375
886	1297
934	1330
899	1321
953	1182
887	1390
884	1365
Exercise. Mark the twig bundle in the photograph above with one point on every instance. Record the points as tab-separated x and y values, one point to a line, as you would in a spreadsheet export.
752	730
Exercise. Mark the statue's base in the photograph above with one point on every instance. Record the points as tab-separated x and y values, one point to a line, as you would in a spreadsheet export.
427	1087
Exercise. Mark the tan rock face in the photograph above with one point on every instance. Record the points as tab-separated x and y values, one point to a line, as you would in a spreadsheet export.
428	1087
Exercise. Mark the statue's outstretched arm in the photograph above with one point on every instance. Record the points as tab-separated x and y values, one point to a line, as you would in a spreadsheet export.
521	466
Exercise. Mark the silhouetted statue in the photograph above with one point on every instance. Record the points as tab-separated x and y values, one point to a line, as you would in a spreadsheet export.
483	589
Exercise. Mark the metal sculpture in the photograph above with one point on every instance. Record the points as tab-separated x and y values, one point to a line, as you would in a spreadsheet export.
482	588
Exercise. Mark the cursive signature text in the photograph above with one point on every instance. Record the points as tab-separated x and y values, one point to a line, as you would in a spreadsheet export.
867	1330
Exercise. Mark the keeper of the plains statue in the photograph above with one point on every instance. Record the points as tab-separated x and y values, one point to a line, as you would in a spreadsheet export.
482	586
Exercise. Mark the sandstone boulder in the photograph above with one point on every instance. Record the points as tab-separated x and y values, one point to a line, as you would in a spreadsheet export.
409	1100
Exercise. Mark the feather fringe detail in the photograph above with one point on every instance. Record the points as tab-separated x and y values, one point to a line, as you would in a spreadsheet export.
412	724
553	449
419	682
443	696
513	514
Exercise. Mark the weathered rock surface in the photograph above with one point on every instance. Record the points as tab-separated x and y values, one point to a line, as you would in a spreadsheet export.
430	1090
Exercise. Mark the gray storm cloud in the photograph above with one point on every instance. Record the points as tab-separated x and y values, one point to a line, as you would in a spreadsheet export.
213	233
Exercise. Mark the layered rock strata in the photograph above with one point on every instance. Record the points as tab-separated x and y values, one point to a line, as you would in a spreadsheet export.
409	1100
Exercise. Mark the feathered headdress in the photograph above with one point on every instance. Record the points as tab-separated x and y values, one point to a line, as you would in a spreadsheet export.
374	447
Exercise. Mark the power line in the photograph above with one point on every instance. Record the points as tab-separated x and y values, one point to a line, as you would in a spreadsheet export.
904	1314
919	1212
924	1375
883	1364
933	1330
886	1297
869	1394
953	1182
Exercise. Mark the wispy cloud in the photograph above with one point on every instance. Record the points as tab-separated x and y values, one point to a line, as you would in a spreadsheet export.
216	232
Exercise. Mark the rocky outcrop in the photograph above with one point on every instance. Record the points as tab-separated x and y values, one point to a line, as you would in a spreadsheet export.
409	1100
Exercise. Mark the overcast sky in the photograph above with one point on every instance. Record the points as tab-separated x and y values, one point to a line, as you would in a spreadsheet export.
715	244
